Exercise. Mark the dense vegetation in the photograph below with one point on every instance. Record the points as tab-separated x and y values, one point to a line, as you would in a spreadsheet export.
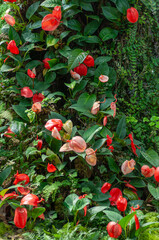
79	119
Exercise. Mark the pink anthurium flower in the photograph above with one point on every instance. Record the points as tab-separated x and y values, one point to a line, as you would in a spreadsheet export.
9	19
56	134
147	171
54	123
66	148
95	108
26	92
103	78
128	166
91	158
77	144
75	75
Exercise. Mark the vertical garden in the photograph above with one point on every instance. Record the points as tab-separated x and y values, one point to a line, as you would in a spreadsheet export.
79	104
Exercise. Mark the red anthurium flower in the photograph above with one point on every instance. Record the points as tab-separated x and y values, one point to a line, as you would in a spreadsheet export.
91	158
133	146
156	175
31	74
26	92
56	134
8	131
20	178
77	144
54	123
36	107
46	64
38	97
39	145
129	185
81	70
111	148
75	75
147	171
9	19
31	199
131	137
51	168
128	166
109	140
85	208
89	61
103	78
135	217
105	188
9	196
20	217
51	21
12	1
23	191
121	204
114	229
12	47
115	193
132	15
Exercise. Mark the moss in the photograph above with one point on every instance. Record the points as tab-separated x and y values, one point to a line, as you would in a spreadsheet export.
4	228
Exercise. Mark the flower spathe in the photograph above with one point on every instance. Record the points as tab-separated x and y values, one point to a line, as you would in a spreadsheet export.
156	174
12	195
128	166
75	75
39	145
20	217
114	229
77	144
103	78
51	168
95	108
9	19
89	61
115	193
20	178
121	204
147	171
54	123
31	199
51	21
36	107
56	134
31	74
91	158
12	1
132	15
38	97
81	70
23	190
106	187
12	47
46	64
26	92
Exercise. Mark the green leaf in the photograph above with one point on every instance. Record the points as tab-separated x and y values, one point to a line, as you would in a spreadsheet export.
57	116
131	195
95	210
36	212
99	196
99	143
102	69
113	216
6	68
3	192
125	220
31	151
51	3
4	174
113	166
32	9
79	86
121	128
152	157
139	183
108	33
111	13
74	25
122	6
51	40
50	77
17	127
86	6
75	57
13	35
91	27
58	66
24	80
81	203
33	64
90	132
20	110
14	205
154	191
70	201
100	60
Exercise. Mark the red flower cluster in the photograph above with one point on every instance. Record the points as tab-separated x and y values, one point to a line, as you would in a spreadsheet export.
51	21
12	1
109	142
82	68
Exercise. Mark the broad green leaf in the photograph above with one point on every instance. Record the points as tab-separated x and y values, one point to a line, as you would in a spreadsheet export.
13	35
113	216
102	69
20	110
6	68
100	197
3	192
58	66
57	116
51	3
33	64
111	13
108	33
145	226
121	128
113	165
154	191
36	212
50	77
75	57
86	6
14	205
99	143
125	220
32	9
79	86
122	6
139	183
17	127
73	38
31	151
24	80
100	60
70	201
81	203
152	157
74	25
91	39
91	27
95	210
4	174
130	194
90	132
51	40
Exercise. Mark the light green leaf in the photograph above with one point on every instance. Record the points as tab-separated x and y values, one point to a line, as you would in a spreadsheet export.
90	132
75	57
113	216
154	191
